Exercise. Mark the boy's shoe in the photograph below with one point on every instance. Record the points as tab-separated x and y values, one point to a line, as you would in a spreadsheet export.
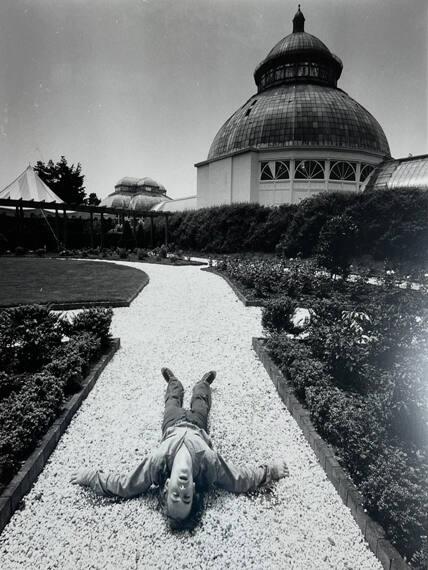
208	377
167	374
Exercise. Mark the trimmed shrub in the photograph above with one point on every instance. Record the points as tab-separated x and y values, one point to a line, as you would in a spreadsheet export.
302	235
95	321
337	245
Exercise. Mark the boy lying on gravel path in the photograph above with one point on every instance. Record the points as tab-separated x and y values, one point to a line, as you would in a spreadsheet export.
184	460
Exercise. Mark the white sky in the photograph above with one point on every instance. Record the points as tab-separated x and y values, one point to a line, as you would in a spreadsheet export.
140	87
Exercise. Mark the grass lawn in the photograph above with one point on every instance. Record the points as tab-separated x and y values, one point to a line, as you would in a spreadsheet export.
34	280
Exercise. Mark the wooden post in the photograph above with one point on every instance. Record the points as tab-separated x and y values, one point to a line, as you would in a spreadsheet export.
151	232
91	227
65	228
166	230
18	227
102	231
57	229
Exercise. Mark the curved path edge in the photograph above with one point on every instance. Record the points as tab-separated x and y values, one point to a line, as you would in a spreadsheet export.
22	482
373	532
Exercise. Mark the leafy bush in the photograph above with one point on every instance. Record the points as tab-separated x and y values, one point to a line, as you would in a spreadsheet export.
31	337
96	321
277	313
362	373
27	336
337	244
24	417
302	235
8	383
142	253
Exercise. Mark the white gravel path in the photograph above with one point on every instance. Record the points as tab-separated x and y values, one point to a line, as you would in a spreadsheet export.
191	321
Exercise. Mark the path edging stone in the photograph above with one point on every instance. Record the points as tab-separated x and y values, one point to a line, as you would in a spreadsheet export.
22	482
373	532
247	302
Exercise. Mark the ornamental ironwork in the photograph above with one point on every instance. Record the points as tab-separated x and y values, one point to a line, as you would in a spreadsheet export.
341	170
309	170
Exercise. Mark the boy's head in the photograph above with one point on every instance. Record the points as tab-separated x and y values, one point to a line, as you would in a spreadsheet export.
179	492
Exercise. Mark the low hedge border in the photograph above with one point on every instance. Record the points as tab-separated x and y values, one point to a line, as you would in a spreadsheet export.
19	486
247	302
374	534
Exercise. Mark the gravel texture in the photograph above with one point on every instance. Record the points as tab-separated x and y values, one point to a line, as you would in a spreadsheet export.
190	321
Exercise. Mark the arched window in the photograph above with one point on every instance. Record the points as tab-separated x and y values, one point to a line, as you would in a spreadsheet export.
366	170
309	170
342	171
267	171
282	170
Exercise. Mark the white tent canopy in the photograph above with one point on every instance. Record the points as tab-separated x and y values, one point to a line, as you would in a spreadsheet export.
28	186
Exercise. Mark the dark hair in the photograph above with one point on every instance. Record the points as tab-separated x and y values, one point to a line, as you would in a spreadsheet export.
193	518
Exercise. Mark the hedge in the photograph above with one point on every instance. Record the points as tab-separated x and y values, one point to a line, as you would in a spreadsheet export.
43	360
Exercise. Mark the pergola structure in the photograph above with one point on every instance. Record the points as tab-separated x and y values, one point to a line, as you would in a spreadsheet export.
62	209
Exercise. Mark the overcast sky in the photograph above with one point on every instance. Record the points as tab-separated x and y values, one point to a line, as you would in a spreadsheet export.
140	87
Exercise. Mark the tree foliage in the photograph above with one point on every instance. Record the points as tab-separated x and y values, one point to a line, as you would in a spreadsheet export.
63	179
92	199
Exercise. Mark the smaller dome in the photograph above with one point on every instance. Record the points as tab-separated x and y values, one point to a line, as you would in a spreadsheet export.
127	181
147	181
299	57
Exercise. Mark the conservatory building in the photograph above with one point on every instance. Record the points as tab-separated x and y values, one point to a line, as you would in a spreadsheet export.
300	134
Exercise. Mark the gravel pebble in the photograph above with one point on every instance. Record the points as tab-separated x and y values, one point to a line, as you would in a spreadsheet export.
190	321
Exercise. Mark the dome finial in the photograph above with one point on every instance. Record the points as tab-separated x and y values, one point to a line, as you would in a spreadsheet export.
298	21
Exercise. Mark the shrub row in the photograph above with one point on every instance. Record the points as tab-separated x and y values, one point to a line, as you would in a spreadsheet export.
361	369
336	226
39	368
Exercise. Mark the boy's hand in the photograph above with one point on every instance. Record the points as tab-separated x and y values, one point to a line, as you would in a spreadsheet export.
79	477
279	470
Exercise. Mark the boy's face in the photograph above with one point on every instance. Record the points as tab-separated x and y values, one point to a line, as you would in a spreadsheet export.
180	489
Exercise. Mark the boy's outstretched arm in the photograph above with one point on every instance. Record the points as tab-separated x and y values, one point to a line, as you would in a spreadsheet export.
108	485
243	479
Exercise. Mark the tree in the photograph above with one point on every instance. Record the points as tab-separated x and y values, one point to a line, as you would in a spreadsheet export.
92	199
336	245
65	180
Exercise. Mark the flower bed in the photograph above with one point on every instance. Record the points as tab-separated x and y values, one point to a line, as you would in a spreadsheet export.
360	368
43	361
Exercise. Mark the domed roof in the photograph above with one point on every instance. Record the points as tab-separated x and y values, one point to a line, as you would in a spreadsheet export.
127	181
146	181
297	43
300	115
299	105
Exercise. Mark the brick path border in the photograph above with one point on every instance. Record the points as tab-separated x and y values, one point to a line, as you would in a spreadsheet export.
22	482
374	534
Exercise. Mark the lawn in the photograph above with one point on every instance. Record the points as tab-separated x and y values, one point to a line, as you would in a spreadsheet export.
34	280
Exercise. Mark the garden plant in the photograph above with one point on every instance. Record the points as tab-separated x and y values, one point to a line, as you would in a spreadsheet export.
43	360
360	368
